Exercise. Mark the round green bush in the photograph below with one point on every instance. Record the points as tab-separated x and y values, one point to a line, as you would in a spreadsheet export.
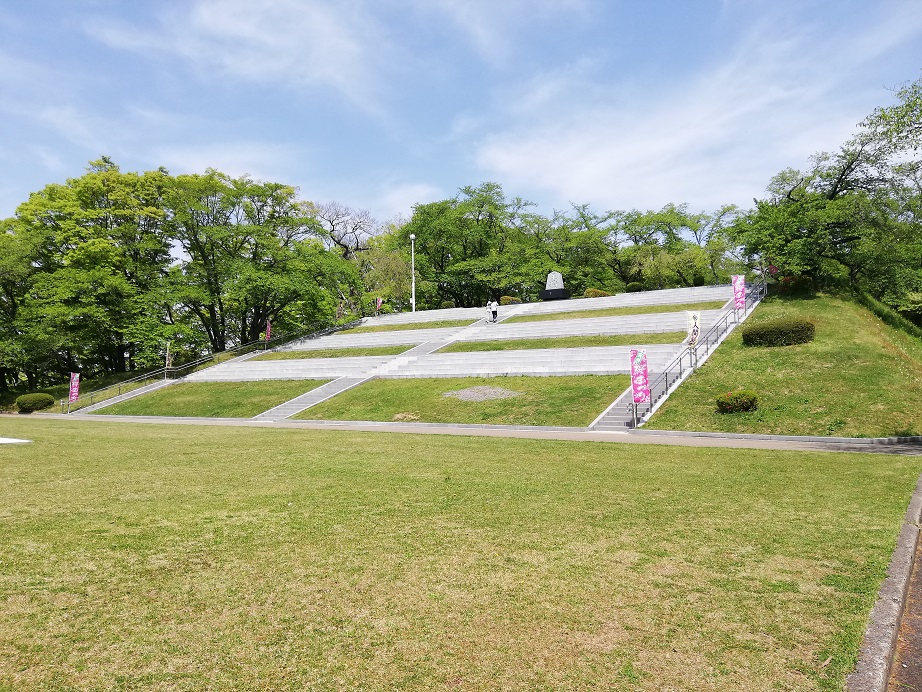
634	287
27	403
595	293
509	300
738	401
780	332
446	304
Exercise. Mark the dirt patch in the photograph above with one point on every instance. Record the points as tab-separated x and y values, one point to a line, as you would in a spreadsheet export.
406	416
482	393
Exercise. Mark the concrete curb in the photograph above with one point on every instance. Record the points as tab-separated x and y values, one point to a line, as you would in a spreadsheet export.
872	672
909	440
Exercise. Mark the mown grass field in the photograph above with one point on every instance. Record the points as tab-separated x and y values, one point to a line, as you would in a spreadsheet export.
558	401
183	558
564	342
615	312
334	353
439	324
858	378
213	399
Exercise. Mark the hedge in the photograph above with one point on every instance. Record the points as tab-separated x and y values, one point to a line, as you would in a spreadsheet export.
780	332
738	401
509	300
27	403
634	287
595	293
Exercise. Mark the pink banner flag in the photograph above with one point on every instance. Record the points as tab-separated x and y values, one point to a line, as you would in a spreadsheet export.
74	387
379	303
640	377
739	292
268	330
694	327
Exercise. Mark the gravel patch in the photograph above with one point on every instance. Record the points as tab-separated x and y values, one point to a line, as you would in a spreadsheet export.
482	393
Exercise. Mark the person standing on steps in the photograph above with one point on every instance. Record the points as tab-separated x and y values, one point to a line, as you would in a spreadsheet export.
489	310
494	308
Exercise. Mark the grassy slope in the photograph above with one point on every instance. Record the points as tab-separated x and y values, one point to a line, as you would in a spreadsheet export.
334	353
858	378
213	399
410	325
567	401
614	312
564	342
166	557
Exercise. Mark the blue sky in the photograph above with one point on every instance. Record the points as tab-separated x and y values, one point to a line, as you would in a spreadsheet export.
380	104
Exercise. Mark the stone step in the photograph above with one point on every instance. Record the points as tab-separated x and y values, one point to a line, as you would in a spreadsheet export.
311	398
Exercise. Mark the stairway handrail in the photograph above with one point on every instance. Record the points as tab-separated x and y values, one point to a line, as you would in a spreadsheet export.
660	387
180	371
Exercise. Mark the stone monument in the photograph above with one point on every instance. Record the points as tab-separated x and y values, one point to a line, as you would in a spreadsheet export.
553	289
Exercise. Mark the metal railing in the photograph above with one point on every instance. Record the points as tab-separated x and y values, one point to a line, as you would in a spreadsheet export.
689	357
180	371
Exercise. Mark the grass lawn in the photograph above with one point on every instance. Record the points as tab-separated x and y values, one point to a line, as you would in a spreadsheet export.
213	399
186	558
566	401
564	342
613	312
859	378
439	324
334	353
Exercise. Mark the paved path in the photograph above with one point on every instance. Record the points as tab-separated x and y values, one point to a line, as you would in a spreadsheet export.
642	436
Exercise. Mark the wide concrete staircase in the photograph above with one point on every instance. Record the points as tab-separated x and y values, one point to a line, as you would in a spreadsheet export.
423	358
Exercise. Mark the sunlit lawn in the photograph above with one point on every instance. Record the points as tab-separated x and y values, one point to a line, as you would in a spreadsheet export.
565	342
614	312
213	399
334	353
440	324
858	378
185	558
557	401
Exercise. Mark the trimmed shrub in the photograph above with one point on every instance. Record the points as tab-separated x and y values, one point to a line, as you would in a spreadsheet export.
634	287
27	403
446	304
595	293
509	300
782	332
738	401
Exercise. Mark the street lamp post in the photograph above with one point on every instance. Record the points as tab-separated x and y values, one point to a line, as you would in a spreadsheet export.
413	269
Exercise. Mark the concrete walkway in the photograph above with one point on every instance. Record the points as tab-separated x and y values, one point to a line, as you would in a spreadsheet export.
912	446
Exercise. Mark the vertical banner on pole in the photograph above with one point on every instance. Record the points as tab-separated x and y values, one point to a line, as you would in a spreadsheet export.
640	377
74	389
378	303
739	292
694	327
169	359
268	330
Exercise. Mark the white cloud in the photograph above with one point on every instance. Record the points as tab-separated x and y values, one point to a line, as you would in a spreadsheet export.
398	199
259	160
288	41
490	26
716	139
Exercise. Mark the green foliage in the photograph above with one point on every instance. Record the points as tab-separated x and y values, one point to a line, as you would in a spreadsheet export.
595	293
446	304
509	300
780	332
738	401
27	403
634	287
